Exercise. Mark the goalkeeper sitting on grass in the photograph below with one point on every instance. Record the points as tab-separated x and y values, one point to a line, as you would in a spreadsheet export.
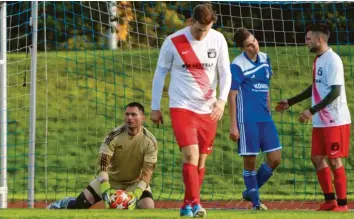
127	160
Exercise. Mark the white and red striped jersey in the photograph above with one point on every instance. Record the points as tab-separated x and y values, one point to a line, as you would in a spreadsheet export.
327	71
194	66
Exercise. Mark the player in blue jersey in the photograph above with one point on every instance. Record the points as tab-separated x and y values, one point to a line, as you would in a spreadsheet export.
251	121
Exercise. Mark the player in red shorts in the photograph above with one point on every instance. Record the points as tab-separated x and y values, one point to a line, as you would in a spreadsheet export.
330	118
195	56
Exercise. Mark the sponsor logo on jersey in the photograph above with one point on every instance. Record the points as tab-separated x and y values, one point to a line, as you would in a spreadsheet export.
211	53
198	65
260	86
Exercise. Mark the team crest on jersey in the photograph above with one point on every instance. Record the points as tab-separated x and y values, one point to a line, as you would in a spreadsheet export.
211	53
319	71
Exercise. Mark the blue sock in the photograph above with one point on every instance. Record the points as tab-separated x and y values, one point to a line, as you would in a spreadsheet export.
263	174
250	180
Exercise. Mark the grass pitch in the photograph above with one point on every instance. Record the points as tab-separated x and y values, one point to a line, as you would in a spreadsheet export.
157	213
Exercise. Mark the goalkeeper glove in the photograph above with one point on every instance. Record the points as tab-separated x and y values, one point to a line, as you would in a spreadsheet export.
107	192
134	198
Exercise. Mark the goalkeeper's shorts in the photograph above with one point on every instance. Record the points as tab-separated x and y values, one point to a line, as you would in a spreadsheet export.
191	128
332	142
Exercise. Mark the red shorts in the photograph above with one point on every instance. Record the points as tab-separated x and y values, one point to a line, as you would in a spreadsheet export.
193	128
332	142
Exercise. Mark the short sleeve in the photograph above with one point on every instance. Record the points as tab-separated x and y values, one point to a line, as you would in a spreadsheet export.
237	77
335	72
166	54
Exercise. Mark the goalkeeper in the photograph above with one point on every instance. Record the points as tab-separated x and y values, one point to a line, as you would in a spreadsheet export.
127	160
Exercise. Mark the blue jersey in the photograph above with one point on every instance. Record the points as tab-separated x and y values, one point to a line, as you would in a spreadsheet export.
251	79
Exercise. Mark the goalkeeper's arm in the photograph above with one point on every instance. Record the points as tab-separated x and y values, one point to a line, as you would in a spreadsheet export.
147	169
103	163
144	180
145	177
102	176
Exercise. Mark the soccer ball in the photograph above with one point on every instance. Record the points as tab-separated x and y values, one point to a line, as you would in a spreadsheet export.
119	200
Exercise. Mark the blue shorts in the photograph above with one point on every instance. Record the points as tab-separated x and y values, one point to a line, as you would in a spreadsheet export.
255	136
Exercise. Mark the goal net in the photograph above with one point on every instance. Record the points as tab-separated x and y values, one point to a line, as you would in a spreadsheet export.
86	60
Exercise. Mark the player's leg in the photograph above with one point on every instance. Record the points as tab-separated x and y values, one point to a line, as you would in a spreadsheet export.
61	204
206	131
250	179
198	210
248	148
318	158
270	144
88	197
146	201
190	177
183	124
201	168
337	146
206	134
340	183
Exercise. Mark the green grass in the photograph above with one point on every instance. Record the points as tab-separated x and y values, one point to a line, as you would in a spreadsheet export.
83	97
107	214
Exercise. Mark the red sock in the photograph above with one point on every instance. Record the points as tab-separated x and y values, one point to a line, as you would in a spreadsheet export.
190	176
201	173
325	180
340	182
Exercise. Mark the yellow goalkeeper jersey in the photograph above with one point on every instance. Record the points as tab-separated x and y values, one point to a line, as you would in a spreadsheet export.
129	153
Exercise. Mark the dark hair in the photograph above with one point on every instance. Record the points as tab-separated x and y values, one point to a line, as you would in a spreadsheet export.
204	14
135	104
319	28
240	36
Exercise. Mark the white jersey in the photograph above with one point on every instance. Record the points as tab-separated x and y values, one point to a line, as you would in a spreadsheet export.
327	71
194	66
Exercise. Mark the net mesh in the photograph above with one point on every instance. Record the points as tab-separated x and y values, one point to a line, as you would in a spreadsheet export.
83	87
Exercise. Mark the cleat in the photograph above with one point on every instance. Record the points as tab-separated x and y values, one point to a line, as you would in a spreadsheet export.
328	206
199	211
260	207
61	204
341	209
186	211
